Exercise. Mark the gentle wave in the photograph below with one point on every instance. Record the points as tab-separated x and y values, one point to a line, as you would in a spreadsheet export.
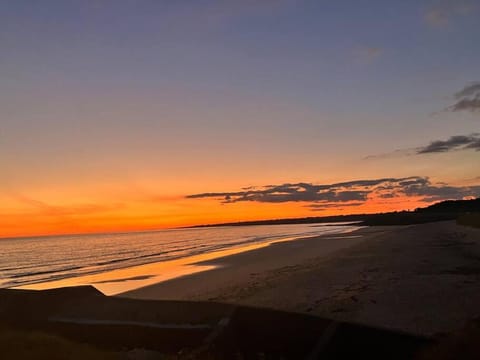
34	260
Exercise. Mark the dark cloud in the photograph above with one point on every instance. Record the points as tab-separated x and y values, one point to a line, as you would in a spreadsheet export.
345	193
467	99
453	143
458	142
437	192
472	90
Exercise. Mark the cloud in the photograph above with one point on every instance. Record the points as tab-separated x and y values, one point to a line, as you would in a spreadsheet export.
437	17
458	142
43	208
453	143
444	12
467	99
367	55
392	154
345	193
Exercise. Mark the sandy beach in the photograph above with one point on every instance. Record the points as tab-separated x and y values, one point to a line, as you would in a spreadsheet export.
422	279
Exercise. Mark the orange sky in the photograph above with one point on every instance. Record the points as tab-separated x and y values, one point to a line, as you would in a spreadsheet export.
36	218
114	198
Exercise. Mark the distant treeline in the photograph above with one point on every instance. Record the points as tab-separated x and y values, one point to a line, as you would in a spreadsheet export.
445	210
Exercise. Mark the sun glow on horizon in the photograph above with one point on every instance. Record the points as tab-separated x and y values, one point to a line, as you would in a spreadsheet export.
149	216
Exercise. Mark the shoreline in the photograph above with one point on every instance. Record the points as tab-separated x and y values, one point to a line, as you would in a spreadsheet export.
421	279
238	266
120	280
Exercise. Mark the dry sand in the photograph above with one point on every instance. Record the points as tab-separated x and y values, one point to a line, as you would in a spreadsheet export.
423	279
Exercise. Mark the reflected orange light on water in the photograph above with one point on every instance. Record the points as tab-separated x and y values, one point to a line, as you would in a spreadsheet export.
122	280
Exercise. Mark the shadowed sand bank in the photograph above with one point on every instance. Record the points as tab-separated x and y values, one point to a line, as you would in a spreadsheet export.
82	323
422	279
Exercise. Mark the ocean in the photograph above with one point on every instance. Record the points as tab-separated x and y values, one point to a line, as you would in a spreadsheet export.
37	260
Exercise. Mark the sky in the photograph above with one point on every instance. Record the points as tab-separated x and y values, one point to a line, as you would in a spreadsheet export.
128	115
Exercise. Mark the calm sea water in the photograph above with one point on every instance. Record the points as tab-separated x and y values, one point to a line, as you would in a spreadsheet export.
33	260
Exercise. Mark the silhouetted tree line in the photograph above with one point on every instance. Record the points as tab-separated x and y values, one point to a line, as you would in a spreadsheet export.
445	210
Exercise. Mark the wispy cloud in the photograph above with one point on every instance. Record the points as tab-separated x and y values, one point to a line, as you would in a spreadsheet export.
41	207
453	143
467	99
443	13
458	142
392	154
437	17
345	193
367	55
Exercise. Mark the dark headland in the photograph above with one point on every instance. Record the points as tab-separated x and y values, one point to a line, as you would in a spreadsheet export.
441	211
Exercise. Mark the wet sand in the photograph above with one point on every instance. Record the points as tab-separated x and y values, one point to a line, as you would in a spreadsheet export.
423	279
